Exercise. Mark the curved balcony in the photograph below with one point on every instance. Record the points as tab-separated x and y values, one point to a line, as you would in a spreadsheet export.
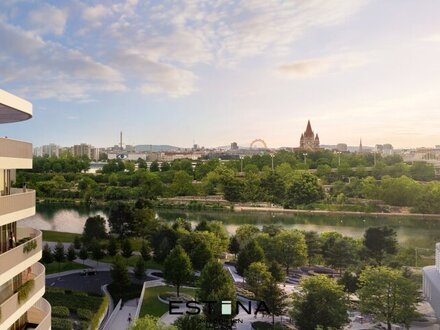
16	206
13	108
40	315
19	303
22	256
15	154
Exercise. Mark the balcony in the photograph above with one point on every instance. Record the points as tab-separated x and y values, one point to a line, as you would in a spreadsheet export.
22	256
16	206
24	299
15	154
40	315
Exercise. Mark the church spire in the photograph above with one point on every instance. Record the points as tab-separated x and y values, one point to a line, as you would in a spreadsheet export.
308	132
360	146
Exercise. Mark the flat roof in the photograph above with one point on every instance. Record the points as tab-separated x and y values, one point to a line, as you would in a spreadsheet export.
13	108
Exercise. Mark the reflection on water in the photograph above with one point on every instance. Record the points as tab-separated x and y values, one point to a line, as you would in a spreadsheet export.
410	231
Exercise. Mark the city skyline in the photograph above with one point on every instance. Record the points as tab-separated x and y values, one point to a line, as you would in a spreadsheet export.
223	72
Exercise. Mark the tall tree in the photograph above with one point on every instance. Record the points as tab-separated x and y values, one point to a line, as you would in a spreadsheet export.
59	254
290	249
126	248
145	250
379	242
112	248
256	276
275	299
120	277
305	189
139	269
83	254
252	252
121	219
339	251
234	246
177	268
71	254
388	296
47	254
322	303
215	284
94	228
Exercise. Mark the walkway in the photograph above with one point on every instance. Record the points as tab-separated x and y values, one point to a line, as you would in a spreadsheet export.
121	319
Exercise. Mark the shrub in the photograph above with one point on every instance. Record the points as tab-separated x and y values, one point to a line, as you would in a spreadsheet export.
60	311
24	290
96	318
61	324
84	314
80	293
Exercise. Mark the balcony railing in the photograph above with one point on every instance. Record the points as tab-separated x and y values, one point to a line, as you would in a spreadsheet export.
15	304
40	314
18	200
15	149
22	252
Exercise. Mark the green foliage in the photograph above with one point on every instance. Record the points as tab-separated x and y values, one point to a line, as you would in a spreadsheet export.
60	311
388	296
113	246
29	246
61	324
322	303
249	254
119	273
150	323
338	251
379	242
177	268
305	189
84	314
139	269
191	322
24	290
256	276
94	324
126	248
215	284
94	228
275	299
71	254
290	249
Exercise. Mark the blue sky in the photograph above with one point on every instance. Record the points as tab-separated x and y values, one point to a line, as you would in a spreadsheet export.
213	72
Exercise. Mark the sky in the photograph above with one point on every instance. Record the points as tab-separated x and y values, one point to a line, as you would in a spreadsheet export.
216	71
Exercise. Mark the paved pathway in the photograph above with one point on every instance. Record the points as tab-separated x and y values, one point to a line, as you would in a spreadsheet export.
120	321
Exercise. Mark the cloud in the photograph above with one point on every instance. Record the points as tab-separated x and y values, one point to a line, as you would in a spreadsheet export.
48	19
309	68
96	13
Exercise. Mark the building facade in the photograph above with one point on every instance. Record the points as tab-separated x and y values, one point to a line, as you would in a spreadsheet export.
431	283
22	277
309	141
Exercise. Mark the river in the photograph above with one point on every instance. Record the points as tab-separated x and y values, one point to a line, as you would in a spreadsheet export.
422	233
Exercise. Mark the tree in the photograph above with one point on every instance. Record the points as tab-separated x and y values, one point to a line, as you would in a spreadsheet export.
380	241
154	167
112	248
121	219
139	269
314	245
422	171
232	188
59	254
277	271
305	189
83	254
246	233
177	268
150	323
339	251
388	296
163	241
201	246
120	277
96	250
145	250
191	322
273	188
234	246
182	184
252	252
94	228
290	249
71	254
350	281
256	276
77	242
47	254
322	303
215	284
127	249
275	299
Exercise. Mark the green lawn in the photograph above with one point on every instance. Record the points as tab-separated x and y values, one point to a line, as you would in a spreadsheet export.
64	266
152	306
55	236
132	262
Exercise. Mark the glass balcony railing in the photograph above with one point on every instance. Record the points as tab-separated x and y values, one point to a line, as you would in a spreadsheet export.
40	314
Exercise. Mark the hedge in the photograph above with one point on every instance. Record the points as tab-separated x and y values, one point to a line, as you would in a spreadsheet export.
60	311
73	302
97	317
61	324
84	314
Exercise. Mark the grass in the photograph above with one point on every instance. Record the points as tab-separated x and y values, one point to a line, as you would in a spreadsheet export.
64	266
152	306
132	262
55	236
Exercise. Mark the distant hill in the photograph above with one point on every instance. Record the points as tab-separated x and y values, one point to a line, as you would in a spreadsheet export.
155	148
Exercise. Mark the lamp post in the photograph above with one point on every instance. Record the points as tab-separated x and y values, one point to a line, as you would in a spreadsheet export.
272	156
339	158
305	158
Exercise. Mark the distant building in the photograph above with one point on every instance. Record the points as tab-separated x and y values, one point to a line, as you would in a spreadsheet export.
361	149
431	283
384	149
308	140
51	150
83	149
342	147
234	146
